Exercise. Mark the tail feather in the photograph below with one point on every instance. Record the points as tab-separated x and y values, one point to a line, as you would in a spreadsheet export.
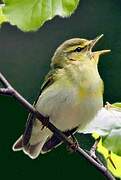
18	145
32	144
40	141
33	151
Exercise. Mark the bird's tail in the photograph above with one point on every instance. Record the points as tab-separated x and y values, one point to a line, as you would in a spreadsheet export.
33	139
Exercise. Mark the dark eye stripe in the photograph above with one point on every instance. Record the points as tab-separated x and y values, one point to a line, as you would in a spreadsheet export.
78	49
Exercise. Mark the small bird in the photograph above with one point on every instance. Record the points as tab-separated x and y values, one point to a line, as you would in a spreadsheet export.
70	96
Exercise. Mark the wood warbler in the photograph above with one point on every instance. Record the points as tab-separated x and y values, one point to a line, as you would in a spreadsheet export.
70	96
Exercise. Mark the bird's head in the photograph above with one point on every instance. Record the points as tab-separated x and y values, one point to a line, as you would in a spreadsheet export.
76	49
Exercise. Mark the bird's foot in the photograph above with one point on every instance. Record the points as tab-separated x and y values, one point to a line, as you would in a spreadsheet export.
73	147
45	124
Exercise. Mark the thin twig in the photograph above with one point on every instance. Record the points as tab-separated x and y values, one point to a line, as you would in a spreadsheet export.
9	90
94	148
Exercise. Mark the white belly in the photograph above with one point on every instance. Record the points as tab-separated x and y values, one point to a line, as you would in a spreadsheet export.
65	110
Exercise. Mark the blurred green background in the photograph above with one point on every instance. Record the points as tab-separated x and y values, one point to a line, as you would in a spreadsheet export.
25	59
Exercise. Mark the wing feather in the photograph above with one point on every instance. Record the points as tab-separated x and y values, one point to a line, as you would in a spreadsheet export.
49	79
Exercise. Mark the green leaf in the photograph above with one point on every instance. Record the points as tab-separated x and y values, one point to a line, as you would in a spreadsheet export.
3	18
107	119
29	15
113	141
107	124
116	159
118	104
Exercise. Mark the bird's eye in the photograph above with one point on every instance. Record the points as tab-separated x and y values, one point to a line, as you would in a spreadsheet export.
78	49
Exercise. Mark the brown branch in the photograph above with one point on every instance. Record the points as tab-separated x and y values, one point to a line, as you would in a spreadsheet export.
9	90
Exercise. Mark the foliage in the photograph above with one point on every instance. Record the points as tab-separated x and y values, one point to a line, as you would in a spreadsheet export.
3	18
107	124
29	15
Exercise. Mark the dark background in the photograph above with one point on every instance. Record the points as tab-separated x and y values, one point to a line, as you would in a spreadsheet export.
25	59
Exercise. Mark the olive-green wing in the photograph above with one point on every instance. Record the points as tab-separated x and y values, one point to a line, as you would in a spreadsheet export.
49	79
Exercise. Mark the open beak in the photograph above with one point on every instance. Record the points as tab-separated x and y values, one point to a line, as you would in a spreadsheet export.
92	44
102	52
